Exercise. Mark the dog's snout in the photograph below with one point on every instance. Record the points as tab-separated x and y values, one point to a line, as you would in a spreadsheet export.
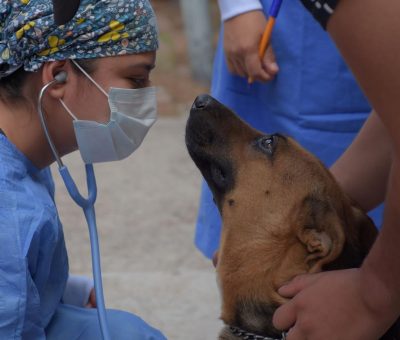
201	101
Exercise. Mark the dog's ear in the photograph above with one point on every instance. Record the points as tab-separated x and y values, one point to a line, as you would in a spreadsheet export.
321	232
364	229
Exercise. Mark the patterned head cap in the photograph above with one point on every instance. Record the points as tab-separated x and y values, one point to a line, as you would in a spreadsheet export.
101	28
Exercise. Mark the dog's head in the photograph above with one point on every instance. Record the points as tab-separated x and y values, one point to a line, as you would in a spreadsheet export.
283	213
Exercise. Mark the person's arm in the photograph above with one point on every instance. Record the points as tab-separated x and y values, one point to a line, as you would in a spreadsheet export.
367	33
361	303
244	23
367	160
13	290
20	313
232	8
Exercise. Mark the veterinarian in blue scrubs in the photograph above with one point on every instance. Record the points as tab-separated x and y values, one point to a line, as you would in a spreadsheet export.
323	113
105	54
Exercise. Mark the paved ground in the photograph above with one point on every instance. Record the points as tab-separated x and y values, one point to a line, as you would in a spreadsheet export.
146	210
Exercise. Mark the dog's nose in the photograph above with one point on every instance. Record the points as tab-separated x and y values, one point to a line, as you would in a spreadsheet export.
201	101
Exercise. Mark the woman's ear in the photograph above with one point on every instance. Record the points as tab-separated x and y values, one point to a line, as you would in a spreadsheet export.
58	71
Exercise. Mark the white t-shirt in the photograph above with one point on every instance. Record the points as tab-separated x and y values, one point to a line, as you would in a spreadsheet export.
232	8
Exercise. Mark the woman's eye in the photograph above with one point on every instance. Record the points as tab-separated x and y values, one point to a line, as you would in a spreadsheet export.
139	82
267	144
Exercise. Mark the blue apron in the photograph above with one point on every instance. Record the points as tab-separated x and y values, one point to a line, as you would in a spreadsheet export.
313	99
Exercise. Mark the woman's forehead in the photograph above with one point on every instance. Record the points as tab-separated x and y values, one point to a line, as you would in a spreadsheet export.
144	61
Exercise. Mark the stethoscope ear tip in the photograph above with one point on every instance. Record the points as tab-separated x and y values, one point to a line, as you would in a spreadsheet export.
61	77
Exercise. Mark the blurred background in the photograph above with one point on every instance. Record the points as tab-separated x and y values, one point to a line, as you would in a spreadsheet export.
188	35
147	204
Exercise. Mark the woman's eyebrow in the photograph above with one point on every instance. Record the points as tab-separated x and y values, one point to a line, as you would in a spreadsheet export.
144	65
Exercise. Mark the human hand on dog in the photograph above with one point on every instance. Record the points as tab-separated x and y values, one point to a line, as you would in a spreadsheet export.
215	259
242	35
92	303
333	305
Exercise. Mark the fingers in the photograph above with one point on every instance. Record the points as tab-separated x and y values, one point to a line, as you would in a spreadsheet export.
254	69
250	66
235	66
245	62
284	317
242	35
295	334
300	282
269	62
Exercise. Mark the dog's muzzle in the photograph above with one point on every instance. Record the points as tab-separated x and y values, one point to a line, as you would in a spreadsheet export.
251	336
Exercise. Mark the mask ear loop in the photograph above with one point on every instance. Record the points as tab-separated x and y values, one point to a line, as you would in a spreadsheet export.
68	110
89	77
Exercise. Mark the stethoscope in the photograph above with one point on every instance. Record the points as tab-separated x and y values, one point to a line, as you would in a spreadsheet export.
86	204
63	12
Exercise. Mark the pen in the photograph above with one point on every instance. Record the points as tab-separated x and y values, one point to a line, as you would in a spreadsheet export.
266	37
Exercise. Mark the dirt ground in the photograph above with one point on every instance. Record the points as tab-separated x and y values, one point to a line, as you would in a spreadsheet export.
146	211
176	87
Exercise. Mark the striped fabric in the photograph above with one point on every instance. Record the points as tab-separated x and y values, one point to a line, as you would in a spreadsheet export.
321	9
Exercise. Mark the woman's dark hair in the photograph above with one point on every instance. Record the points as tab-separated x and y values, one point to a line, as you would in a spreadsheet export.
11	86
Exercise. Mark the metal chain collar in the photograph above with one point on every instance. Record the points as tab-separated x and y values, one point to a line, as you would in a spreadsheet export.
251	336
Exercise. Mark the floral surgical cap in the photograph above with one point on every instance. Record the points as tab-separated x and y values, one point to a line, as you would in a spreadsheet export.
100	28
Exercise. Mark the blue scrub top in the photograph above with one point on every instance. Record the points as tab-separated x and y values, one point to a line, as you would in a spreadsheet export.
34	263
33	257
314	99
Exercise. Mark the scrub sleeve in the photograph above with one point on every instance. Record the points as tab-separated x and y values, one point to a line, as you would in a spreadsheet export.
74	323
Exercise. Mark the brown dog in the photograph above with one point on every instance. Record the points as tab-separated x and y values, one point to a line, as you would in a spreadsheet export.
283	215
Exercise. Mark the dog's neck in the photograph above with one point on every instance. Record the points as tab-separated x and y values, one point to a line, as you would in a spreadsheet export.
254	319
239	333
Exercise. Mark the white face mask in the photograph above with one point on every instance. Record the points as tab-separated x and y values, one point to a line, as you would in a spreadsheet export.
133	112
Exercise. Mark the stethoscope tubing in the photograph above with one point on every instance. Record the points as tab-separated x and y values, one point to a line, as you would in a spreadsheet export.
87	204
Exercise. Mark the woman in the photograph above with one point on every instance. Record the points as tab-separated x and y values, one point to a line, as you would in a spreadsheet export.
101	55
359	303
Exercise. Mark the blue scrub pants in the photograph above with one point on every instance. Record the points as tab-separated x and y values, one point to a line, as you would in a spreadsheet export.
76	323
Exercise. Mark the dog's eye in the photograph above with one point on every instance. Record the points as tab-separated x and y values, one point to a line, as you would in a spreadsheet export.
267	144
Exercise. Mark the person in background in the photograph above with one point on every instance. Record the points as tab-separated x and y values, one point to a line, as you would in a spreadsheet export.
360	303
102	57
302	88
